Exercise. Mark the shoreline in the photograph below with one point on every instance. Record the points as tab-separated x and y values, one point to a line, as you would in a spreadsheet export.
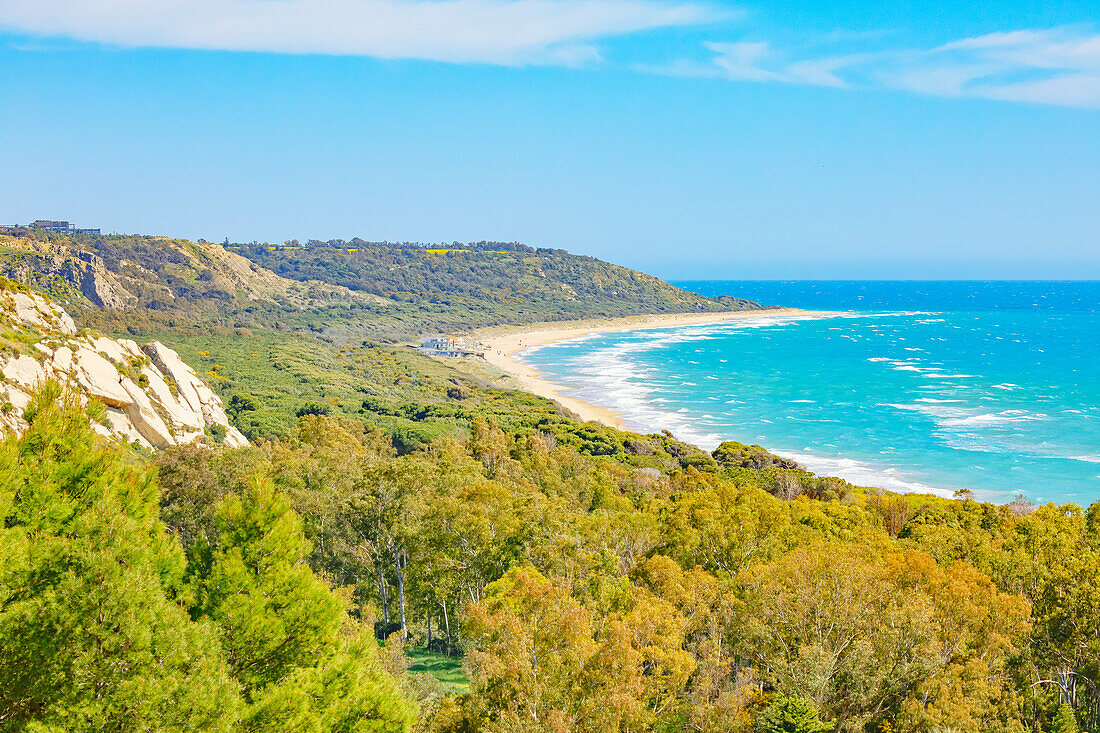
507	342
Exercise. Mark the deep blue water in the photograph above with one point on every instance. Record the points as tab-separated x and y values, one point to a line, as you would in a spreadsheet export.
918	386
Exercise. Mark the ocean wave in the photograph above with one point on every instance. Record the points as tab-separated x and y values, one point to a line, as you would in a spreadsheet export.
945	416
862	473
961	410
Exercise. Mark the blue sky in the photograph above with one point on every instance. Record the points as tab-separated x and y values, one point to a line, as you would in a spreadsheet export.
690	139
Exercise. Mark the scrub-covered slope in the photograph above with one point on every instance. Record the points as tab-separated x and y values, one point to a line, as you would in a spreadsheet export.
488	283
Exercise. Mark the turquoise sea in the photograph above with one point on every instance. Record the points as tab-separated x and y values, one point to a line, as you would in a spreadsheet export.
916	386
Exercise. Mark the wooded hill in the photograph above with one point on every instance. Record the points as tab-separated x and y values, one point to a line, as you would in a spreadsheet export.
381	290
488	282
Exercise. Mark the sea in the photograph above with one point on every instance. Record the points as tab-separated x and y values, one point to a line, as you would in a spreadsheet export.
925	387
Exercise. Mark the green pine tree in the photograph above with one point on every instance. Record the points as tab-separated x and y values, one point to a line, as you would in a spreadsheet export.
303	663
1065	721
792	715
91	636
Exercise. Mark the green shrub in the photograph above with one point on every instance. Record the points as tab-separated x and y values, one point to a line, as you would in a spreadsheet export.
313	408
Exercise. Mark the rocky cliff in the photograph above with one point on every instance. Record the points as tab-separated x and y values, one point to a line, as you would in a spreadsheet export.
136	273
151	396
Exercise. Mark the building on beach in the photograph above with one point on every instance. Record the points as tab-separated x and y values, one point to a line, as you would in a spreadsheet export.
449	346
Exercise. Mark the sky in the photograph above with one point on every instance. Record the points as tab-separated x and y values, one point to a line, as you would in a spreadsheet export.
771	139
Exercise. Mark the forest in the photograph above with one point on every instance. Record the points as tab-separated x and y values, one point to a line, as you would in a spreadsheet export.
649	590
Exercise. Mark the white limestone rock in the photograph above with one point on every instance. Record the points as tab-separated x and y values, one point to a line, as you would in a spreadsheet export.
24	371
171	366
100	378
62	361
41	313
121	426
235	438
145	418
153	398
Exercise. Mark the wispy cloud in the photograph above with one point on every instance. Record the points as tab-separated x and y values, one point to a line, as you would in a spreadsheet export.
758	61
1059	66
461	31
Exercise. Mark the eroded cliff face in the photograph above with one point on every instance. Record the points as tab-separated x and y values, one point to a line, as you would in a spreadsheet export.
151	396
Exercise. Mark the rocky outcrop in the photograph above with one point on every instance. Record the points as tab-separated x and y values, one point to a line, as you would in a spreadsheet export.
151	396
99	285
85	271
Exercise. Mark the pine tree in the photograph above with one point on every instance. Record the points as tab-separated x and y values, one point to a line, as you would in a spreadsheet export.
91	636
302	662
792	715
1065	721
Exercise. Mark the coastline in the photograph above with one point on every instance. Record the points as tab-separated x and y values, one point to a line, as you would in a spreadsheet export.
507	342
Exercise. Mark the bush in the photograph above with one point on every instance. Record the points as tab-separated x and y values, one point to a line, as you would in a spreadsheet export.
411	437
458	392
218	432
313	408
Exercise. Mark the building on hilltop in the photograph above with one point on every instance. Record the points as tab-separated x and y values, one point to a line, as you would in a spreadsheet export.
59	227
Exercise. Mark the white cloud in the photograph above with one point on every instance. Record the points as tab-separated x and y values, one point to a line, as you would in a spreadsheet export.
758	62
460	31
1059	66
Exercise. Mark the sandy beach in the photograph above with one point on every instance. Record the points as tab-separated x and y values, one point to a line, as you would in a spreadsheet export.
508	341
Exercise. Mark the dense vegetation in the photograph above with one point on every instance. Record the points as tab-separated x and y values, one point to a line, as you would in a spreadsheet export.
488	284
105	623
523	571
649	587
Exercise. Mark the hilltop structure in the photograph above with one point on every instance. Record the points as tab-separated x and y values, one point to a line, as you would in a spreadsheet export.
59	227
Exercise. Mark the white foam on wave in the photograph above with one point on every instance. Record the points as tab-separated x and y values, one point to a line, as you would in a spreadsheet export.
920	370
890	478
564	342
610	377
945	416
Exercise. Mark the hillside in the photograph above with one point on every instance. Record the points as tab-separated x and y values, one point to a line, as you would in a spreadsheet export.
487	283
165	280
380	290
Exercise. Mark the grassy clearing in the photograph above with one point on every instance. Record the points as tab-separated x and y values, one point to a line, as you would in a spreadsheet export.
448	670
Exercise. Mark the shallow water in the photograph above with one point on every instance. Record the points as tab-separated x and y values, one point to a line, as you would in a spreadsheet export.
994	387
